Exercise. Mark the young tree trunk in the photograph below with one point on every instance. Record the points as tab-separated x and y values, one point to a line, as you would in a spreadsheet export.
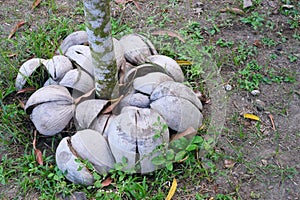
98	27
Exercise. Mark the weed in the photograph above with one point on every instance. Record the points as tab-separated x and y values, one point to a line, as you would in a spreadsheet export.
118	28
273	56
292	58
48	36
243	53
268	42
296	36
255	20
223	43
249	77
213	30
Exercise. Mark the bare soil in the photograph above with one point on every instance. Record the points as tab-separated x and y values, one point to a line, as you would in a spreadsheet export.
267	158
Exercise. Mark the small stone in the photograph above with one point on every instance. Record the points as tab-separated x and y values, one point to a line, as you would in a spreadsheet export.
198	4
247	4
228	87
255	92
198	10
270	187
260	105
264	162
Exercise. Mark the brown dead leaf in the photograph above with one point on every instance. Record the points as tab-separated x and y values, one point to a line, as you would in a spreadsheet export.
107	182
188	133
229	164
169	33
14	30
35	4
11	55
21	103
257	43
24	90
86	96
34	140
38	156
113	105
272	121
233	10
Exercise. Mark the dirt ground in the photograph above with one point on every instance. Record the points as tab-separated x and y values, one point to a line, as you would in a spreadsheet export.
267	156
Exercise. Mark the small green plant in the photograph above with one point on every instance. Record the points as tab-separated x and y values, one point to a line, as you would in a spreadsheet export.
223	43
250	77
296	36
213	30
243	53
268	42
273	56
118	28
255	20
292	58
178	150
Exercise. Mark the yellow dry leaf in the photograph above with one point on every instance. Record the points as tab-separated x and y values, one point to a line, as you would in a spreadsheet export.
184	62
251	116
172	190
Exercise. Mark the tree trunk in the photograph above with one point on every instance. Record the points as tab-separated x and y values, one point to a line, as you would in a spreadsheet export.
98	27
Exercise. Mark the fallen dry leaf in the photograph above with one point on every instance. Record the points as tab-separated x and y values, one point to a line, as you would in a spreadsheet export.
272	121
188	133
233	10
172	190
169	33
107	182
35	4
22	105
38	154
14	30
30	89
251	116
183	62
257	43
229	164
113	105
11	55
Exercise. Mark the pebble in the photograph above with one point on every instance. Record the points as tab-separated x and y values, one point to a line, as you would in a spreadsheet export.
260	105
264	162
228	87
255	92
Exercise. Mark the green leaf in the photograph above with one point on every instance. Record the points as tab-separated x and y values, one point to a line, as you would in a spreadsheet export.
169	166
180	155
50	175
180	143
158	160
192	147
96	176
170	154
197	140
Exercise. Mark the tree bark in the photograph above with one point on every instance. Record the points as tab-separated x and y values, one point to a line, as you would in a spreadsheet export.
98	27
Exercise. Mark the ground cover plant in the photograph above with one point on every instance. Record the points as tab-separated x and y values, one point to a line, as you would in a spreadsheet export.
255	48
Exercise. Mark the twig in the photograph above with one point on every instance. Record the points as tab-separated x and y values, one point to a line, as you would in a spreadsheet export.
272	121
